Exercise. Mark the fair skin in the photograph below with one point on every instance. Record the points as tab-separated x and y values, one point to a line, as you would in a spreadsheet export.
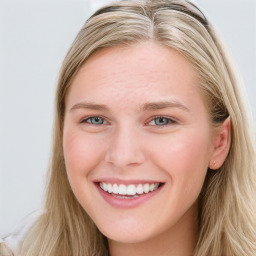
135	116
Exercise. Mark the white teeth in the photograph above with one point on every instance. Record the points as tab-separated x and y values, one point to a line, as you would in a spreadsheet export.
110	190
115	189
146	188
139	189
105	186
129	190
122	190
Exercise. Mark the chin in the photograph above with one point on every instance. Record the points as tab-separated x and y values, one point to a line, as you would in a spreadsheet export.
127	238
124	233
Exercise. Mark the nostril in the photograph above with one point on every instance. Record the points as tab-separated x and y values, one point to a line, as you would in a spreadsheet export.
124	148
124	158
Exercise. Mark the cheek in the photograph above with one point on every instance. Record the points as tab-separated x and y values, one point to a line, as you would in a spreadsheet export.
182	148
81	153
184	158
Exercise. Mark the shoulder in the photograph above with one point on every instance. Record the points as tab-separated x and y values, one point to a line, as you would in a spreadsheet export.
4	249
10	243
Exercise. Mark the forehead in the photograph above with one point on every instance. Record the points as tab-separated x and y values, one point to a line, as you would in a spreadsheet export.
139	58
142	71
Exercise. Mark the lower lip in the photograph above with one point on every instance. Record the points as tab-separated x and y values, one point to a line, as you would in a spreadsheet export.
127	202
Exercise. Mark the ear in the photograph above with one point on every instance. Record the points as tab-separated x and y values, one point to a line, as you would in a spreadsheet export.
221	144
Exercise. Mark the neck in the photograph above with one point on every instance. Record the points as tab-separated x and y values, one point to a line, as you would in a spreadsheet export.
179	240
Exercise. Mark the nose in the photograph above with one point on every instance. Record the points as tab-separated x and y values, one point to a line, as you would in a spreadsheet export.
125	149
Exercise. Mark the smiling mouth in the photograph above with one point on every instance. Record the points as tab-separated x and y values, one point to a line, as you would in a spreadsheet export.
129	191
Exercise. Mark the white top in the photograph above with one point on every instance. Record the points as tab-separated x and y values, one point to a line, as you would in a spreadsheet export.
13	239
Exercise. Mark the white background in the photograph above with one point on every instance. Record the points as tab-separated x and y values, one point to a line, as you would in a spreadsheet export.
34	37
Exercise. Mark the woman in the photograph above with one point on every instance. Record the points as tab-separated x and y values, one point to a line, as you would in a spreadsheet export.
153	149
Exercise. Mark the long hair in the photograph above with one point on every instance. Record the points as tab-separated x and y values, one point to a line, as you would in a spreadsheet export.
226	214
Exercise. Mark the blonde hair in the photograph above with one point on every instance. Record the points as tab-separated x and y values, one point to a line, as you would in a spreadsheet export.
227	201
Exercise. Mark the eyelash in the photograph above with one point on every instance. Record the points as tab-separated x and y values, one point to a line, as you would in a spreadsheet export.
86	120
166	118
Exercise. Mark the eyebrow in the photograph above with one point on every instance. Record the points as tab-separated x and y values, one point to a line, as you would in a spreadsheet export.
146	107
164	104
89	105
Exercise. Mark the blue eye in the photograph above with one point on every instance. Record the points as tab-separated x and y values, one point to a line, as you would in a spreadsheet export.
161	121
95	120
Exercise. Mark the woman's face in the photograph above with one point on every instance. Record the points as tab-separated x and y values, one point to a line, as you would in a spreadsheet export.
137	140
